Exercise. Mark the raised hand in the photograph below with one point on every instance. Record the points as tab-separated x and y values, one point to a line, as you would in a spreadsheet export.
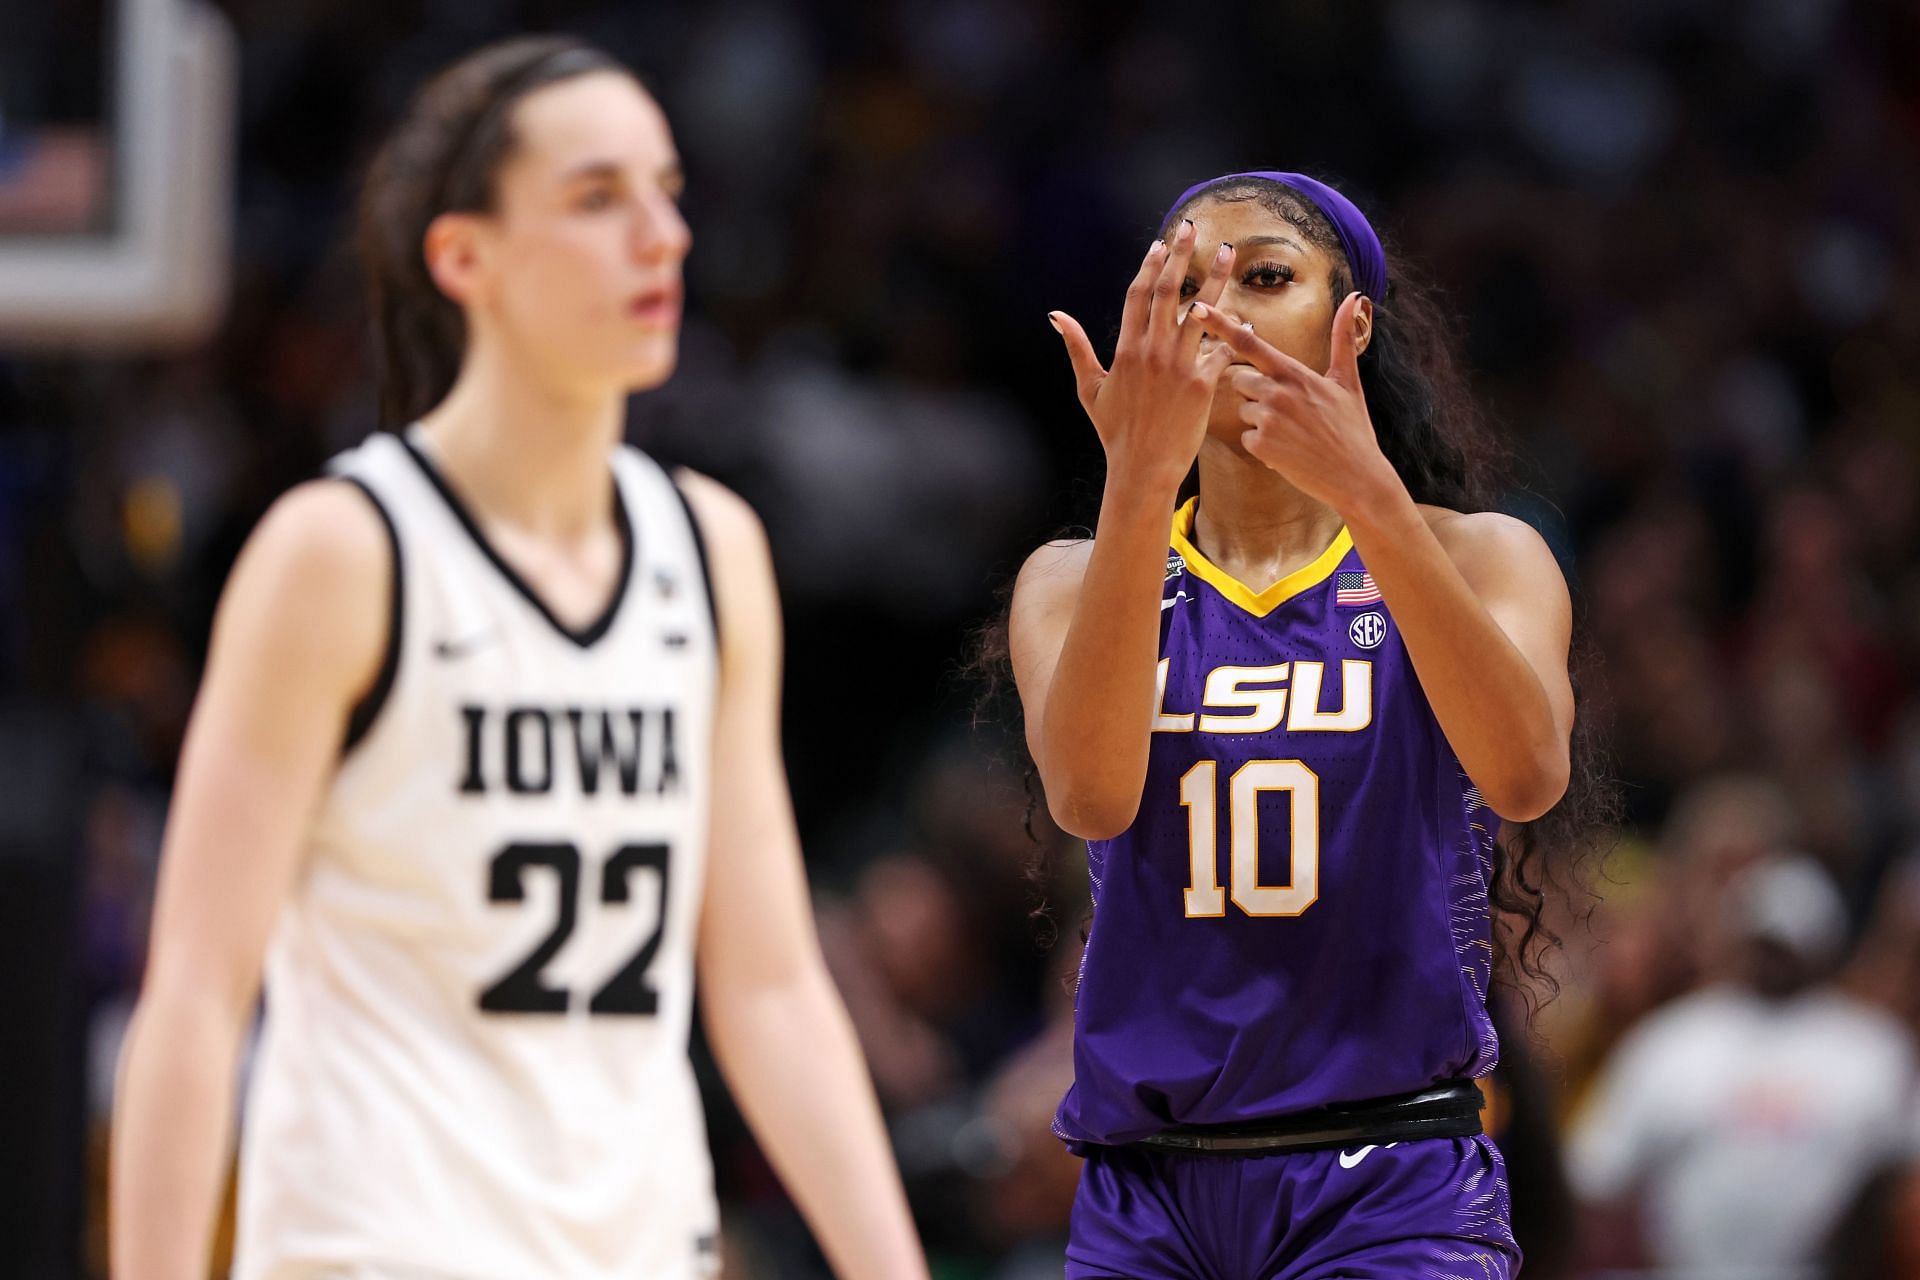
1313	428
1150	409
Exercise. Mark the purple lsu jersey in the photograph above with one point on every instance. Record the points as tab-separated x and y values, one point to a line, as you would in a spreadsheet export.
1298	915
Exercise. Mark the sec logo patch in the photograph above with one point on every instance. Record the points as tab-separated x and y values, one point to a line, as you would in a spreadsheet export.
1368	630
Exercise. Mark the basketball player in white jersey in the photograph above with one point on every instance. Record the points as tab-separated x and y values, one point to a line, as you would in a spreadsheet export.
485	769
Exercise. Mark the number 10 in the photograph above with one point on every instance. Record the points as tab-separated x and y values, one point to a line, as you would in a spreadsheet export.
1197	795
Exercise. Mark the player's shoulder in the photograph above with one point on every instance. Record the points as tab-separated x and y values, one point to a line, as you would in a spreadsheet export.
726	519
313	584
1489	540
329	529
1480	529
1055	564
740	562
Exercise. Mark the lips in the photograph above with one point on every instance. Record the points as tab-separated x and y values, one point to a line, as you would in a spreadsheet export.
659	306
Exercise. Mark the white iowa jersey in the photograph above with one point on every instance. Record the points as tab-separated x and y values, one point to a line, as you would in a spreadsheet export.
475	1056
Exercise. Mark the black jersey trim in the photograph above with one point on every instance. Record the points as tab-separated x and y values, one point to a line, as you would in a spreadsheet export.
367	709
700	550
623	525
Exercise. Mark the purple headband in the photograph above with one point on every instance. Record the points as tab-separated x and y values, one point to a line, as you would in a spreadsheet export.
1364	254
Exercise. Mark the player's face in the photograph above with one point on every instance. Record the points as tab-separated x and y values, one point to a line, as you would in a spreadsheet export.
583	255
1280	282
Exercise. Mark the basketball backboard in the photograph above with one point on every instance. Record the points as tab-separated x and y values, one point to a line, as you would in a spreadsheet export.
116	173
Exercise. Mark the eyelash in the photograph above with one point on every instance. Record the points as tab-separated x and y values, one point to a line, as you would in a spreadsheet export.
1247	277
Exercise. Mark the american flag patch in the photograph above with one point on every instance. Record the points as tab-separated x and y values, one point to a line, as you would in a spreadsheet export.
1351	590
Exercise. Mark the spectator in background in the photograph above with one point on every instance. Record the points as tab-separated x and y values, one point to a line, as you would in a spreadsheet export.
1656	910
910	967
1741	1120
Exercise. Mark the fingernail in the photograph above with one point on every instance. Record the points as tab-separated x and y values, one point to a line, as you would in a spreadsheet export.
1224	252
1053	318
1201	310
1158	246
1186	226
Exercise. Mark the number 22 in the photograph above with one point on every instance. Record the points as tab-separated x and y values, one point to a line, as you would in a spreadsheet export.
522	989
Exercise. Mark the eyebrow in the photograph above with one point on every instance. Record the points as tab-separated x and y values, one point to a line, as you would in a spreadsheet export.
606	169
1255	242
591	169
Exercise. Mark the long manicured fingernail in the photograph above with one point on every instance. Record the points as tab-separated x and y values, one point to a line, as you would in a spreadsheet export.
1053	318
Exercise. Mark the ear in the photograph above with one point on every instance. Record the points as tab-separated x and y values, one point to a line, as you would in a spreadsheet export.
1362	326
454	259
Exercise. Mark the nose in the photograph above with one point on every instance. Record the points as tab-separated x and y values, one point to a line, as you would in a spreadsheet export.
660	232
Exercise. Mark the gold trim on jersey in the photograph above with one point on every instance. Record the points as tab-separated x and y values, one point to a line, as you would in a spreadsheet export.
1257	603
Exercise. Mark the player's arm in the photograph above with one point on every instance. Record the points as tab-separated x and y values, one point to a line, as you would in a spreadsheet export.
776	1022
1478	599
298	637
1085	624
1490	642
1084	636
1484	612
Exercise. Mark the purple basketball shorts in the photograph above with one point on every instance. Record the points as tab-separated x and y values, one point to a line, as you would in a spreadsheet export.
1433	1209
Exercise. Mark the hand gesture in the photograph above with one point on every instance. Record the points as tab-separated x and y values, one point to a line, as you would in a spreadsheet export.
1151	408
1312	428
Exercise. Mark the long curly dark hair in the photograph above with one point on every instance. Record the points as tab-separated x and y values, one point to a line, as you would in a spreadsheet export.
1433	432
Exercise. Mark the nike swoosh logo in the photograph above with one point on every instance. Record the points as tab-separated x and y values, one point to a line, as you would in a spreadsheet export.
1177	597
452	649
1348	1159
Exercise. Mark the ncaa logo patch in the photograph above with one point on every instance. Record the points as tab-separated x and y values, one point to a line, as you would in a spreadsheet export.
1367	630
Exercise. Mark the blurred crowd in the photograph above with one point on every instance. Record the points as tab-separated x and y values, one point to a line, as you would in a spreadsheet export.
1684	240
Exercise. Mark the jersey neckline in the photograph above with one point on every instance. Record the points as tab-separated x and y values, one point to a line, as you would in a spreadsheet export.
622	523
1257	603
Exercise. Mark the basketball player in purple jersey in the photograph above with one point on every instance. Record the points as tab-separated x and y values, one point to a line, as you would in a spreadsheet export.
1288	729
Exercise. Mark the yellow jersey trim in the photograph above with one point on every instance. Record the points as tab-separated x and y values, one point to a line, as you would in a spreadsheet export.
1257	603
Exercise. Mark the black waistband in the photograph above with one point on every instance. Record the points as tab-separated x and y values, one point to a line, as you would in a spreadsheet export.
1449	1110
